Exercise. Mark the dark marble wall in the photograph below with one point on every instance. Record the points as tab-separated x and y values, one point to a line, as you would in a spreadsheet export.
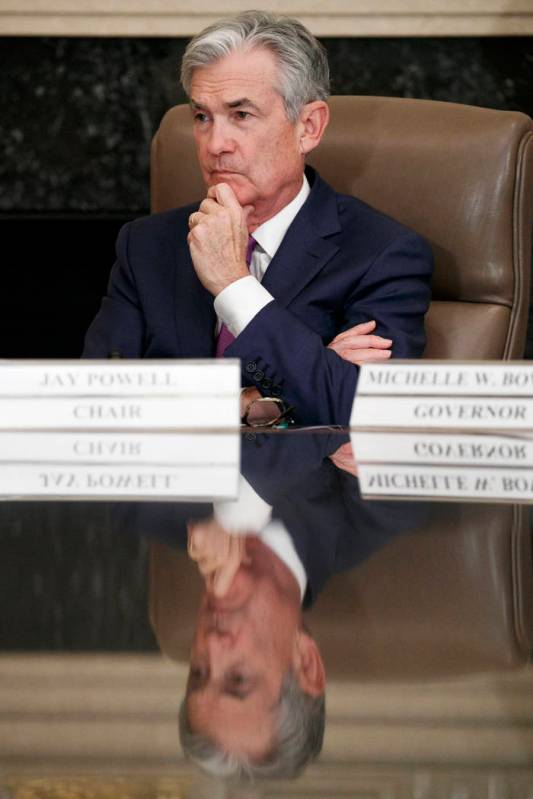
77	115
71	580
76	120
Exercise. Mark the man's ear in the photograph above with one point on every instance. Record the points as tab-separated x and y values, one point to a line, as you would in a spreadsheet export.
308	665
313	121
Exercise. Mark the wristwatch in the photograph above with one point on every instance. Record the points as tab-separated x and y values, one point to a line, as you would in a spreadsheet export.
267	412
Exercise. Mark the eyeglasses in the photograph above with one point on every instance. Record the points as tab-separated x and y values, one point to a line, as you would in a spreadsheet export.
268	412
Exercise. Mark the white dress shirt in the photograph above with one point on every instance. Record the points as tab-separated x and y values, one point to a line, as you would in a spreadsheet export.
238	303
236	306
250	512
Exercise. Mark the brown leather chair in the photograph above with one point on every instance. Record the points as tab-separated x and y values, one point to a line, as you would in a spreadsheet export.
452	598
455	597
461	176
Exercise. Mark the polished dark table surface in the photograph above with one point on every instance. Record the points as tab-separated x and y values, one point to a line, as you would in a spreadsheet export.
399	593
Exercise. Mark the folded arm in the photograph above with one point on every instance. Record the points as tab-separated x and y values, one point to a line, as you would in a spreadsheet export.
279	351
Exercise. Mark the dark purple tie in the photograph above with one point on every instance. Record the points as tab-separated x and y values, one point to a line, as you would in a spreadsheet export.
225	338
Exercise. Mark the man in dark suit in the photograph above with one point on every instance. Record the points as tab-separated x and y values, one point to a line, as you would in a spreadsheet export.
191	283
255	695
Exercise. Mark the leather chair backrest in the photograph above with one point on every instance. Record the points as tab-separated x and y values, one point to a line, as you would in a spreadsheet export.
461	176
452	598
449	599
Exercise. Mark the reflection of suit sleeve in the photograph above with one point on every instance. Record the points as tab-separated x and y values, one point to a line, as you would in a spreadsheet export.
166	521
276	463
315	380
332	527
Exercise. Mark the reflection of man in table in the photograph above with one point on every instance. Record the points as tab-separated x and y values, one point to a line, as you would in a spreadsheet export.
255	694
318	263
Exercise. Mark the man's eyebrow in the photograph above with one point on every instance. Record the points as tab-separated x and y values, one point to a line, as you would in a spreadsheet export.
242	101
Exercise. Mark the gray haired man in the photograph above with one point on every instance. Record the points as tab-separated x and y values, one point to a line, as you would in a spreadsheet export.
255	695
272	267
302	284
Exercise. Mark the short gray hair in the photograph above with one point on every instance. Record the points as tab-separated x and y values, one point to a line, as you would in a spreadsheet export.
299	737
303	62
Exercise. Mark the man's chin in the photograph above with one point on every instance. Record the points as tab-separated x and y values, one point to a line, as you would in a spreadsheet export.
237	594
237	182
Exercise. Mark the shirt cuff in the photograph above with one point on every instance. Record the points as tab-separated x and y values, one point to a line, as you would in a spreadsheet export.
238	303
249	513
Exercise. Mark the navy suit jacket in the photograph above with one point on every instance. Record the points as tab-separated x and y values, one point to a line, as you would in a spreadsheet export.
339	264
333	529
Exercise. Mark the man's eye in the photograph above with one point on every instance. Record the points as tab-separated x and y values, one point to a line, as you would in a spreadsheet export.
237	680
243	114
197	673
200	117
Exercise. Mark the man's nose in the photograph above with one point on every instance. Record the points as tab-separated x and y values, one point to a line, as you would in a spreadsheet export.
219	642
221	632
220	138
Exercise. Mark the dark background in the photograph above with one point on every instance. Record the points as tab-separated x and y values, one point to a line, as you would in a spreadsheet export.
70	579
76	120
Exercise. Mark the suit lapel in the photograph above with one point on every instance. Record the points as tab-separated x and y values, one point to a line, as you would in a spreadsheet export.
195	316
305	249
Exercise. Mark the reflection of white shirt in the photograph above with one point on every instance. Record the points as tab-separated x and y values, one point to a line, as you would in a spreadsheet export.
238	303
278	539
251	514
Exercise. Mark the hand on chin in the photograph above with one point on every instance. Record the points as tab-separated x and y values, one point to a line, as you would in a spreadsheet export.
243	191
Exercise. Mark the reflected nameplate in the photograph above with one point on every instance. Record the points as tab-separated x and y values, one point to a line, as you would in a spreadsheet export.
115	465
442	448
445	482
77	395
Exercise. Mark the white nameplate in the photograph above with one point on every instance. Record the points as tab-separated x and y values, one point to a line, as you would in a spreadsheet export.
198	482
443	412
445	482
483	378
120	378
442	448
140	449
78	413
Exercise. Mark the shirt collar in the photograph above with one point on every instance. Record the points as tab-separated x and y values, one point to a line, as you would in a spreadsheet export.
270	234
